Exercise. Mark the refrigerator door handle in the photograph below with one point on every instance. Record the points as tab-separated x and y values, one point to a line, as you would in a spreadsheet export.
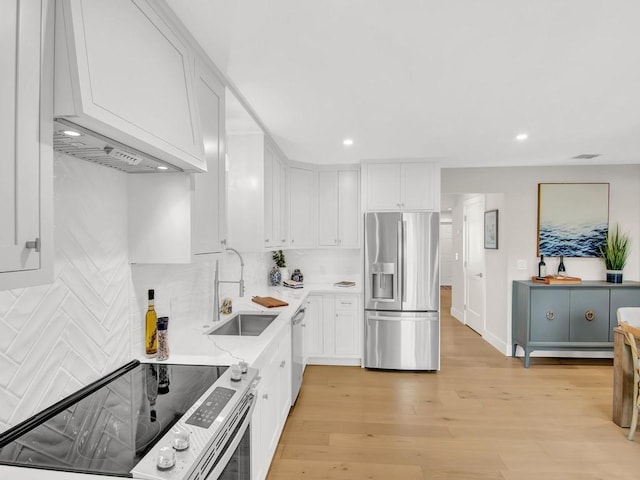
403	259
382	318
399	262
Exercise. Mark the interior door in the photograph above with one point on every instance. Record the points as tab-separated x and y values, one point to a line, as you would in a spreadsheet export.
474	284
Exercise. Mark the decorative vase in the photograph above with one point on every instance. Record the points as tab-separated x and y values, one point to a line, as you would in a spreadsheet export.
275	277
284	273
296	276
614	276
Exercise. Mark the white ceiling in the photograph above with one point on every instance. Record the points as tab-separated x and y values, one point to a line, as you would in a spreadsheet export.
453	80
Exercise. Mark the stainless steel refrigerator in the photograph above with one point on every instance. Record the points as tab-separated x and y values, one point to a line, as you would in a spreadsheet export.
402	291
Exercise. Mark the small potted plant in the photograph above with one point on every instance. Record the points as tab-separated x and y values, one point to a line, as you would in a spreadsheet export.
615	253
281	264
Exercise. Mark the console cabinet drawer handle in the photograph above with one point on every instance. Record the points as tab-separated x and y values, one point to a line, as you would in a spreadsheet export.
589	315
551	315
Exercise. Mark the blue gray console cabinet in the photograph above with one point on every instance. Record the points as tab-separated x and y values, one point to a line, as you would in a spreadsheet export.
568	317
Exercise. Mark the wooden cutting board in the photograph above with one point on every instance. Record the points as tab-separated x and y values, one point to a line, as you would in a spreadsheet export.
269	302
552	280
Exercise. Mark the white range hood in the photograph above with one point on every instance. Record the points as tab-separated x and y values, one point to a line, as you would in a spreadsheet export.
124	81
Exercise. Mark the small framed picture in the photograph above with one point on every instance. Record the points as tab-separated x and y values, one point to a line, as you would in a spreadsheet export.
491	229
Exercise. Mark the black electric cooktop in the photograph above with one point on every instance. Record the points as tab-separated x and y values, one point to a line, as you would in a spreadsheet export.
107	427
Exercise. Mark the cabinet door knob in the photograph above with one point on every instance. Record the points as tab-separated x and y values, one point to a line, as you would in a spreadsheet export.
551	315
265	396
266	240
283	363
589	315
33	244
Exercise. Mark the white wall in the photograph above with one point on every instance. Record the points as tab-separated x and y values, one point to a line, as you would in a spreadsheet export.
59	337
515	196
446	248
457	270
496	262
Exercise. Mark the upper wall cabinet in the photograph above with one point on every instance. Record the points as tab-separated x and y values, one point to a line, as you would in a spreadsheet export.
302	206
26	182
121	71
401	186
208	202
338	208
176	215
257	194
275	199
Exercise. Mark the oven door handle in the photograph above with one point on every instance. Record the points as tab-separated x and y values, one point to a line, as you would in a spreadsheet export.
217	470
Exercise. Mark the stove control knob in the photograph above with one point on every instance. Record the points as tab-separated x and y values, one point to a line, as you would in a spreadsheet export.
166	458
236	373
181	438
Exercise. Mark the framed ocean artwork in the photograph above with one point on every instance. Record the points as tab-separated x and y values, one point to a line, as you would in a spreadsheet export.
573	219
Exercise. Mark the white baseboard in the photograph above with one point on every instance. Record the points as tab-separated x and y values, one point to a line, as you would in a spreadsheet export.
457	314
349	361
497	343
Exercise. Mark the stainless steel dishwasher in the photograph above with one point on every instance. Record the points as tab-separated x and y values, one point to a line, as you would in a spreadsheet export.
297	351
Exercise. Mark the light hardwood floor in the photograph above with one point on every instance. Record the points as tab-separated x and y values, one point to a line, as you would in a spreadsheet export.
483	416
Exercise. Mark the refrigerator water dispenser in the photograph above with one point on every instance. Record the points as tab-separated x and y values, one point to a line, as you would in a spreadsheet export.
382	280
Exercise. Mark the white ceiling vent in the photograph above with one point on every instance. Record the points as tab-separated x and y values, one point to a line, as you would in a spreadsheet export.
586	156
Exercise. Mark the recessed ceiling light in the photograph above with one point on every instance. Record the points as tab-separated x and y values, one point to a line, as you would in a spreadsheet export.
71	133
522	136
347	142
162	167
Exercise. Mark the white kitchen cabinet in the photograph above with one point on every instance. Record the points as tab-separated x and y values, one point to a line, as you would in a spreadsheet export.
302	203
26	183
122	71
275	199
176	215
401	186
347	327
257	194
313	331
208	201
272	403
338	208
333	333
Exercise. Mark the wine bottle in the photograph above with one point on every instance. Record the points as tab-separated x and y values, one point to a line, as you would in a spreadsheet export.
151	329
542	268
562	271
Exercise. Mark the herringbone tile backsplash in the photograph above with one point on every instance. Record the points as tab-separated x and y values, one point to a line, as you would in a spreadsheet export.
57	338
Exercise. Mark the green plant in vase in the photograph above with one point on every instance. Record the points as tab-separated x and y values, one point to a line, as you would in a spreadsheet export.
279	258
615	253
281	264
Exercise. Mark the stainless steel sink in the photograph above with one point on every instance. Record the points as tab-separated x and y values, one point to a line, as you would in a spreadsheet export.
245	324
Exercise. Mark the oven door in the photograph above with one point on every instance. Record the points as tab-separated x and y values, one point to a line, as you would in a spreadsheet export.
235	460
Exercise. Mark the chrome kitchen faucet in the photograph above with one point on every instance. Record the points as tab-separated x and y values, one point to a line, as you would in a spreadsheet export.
217	282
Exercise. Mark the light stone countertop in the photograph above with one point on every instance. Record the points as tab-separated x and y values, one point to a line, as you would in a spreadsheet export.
188	344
